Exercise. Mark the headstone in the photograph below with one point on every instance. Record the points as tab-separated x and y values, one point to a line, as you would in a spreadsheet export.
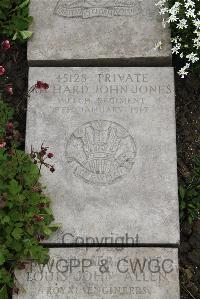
113	134
79	273
68	31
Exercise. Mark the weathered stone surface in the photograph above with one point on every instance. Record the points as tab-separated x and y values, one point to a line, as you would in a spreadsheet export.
77	273
113	134
89	30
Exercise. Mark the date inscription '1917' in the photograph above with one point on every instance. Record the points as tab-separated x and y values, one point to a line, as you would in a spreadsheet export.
97	8
101	152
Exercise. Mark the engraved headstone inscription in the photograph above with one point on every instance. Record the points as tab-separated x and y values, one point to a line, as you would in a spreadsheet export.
113	134
79	273
85	30
102	152
92	8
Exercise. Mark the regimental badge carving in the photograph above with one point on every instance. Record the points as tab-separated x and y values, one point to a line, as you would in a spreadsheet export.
96	8
101	152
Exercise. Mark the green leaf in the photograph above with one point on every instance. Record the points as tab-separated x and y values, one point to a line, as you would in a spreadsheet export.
190	219
14	187
26	34
191	206
5	220
3	293
182	204
16	245
2	259
181	215
55	226
17	233
6	278
25	3
15	36
21	6
182	192
47	231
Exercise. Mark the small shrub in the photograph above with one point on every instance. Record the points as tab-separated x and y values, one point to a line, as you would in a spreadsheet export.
15	19
25	215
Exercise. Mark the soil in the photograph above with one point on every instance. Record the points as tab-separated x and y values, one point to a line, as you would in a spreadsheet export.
188	146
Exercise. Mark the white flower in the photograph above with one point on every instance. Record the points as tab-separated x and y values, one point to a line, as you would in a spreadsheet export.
175	8
182	24
182	72
158	45
176	39
189	3
192	57
161	3
190	13
197	32
196	42
172	18
182	13
176	48
197	23
163	11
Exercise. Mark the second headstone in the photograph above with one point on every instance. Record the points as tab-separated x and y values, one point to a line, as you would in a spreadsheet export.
113	134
